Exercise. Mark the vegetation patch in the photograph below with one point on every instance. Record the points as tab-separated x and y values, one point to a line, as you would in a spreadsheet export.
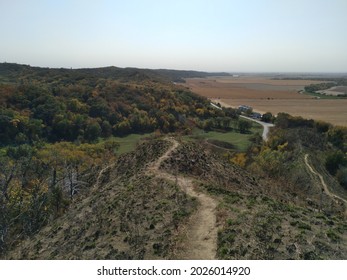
222	144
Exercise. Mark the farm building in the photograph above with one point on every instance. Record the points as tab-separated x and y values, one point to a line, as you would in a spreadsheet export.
245	108
256	115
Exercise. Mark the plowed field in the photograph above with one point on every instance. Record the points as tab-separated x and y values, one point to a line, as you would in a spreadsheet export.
268	95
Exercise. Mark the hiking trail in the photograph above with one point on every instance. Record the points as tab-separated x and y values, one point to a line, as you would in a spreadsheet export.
200	240
325	186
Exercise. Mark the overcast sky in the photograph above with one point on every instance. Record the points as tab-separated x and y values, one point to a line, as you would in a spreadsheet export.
216	35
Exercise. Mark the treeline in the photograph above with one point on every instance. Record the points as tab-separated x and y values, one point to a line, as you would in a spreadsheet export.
226	123
315	87
324	86
12	71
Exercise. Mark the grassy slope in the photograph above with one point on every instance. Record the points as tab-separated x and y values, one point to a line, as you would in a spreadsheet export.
135	215
263	220
278	225
262	227
132	215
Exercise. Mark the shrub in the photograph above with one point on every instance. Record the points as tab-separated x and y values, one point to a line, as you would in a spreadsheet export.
341	176
334	161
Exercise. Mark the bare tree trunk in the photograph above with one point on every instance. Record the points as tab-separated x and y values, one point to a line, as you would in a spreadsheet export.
7	182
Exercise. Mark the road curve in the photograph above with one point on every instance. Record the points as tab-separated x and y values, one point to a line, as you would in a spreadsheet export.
266	126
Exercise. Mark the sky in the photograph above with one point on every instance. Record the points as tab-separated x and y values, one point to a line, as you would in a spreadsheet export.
216	35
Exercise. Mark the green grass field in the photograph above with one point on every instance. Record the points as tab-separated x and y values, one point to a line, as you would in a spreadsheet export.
240	141
128	143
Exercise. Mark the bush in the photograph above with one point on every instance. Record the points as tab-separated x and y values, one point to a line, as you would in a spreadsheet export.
244	126
92	132
336	136
267	117
341	176
334	161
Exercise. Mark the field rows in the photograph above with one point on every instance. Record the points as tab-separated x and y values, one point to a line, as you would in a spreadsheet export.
268	95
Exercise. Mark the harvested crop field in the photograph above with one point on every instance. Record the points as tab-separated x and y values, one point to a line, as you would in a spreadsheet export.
330	110
248	87
265	94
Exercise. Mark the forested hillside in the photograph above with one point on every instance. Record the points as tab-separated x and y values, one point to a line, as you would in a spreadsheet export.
69	105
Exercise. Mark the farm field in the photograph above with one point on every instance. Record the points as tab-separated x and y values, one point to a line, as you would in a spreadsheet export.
267	95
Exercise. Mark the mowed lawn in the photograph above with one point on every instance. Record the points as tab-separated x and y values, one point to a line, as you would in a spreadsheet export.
240	141
129	142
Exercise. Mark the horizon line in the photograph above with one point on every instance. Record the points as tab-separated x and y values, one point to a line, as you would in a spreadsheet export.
188	70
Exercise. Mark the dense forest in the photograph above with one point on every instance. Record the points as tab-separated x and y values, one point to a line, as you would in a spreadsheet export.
83	105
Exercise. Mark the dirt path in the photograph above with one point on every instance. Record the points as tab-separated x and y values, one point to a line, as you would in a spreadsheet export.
200	240
325	186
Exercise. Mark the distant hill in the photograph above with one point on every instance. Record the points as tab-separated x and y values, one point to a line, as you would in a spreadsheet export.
13	70
179	75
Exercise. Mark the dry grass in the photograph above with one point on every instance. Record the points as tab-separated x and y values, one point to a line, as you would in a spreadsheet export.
267	95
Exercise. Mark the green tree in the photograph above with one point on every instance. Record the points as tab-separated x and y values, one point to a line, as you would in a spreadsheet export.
63	129
336	136
92	131
48	109
122	128
322	127
106	128
282	120
341	176
334	161
273	162
244	126
99	108
8	126
267	117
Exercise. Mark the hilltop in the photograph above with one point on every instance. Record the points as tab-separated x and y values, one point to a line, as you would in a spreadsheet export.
135	213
